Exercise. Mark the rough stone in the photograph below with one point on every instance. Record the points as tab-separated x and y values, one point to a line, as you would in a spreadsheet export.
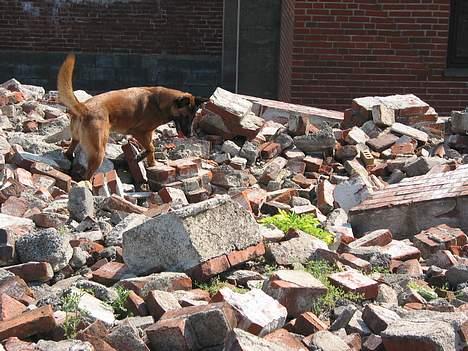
322	140
80	203
299	249
327	341
125	337
378	318
45	246
239	340
187	237
422	331
188	328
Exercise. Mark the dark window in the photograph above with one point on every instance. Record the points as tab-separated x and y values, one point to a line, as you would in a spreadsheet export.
458	36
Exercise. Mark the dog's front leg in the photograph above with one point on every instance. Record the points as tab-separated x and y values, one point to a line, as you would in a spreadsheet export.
146	140
71	149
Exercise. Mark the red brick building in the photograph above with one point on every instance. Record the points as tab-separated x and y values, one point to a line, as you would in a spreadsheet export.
332	51
320	53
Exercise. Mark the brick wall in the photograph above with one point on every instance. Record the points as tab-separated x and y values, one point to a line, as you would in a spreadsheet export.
352	48
126	26
120	43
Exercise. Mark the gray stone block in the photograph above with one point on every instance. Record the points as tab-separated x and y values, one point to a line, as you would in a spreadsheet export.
182	239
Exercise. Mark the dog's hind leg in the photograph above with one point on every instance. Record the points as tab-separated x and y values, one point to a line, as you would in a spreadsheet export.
94	140
146	140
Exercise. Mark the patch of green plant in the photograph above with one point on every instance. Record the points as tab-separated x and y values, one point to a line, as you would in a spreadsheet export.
380	269
73	314
321	270
305	222
89	291
269	269
118	305
422	290
62	230
214	285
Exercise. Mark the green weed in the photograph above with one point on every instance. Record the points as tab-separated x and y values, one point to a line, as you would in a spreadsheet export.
321	270
422	290
73	315
118	305
306	222
214	285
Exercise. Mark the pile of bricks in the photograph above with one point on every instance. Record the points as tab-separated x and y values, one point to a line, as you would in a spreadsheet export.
151	258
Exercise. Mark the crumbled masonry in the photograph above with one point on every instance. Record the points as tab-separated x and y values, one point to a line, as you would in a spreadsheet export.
179	256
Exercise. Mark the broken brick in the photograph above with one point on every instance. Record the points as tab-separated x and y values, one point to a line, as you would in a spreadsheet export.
355	282
110	273
159	302
40	320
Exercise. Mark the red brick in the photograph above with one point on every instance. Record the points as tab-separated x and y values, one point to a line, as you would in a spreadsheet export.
110	273
313	164
241	199
256	198
169	195
355	282
308	323
325	199
118	203
137	169
380	237
197	196
30	323
136	305
411	268
162	174
33	271
355	262
10	308
184	168
284	195
95	334
303	181
210	268
237	257
63	181
270	150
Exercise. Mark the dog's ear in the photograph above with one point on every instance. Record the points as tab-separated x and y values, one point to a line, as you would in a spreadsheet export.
200	100
182	101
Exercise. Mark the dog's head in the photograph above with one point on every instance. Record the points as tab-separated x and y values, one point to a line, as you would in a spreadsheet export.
183	111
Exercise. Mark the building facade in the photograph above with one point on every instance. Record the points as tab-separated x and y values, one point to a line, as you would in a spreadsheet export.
320	53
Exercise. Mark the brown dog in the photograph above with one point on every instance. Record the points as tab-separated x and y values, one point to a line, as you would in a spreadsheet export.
135	111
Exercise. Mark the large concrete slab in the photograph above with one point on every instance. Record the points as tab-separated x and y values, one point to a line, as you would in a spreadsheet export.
415	204
182	239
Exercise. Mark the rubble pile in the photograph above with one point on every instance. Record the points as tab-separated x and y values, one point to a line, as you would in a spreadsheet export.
277	227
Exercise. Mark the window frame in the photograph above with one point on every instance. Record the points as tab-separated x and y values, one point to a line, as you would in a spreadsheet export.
452	60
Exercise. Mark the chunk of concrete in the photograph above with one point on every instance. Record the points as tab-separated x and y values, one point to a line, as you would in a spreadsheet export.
239	340
256	312
185	238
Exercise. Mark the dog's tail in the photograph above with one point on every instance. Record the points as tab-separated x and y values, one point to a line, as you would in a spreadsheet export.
65	87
